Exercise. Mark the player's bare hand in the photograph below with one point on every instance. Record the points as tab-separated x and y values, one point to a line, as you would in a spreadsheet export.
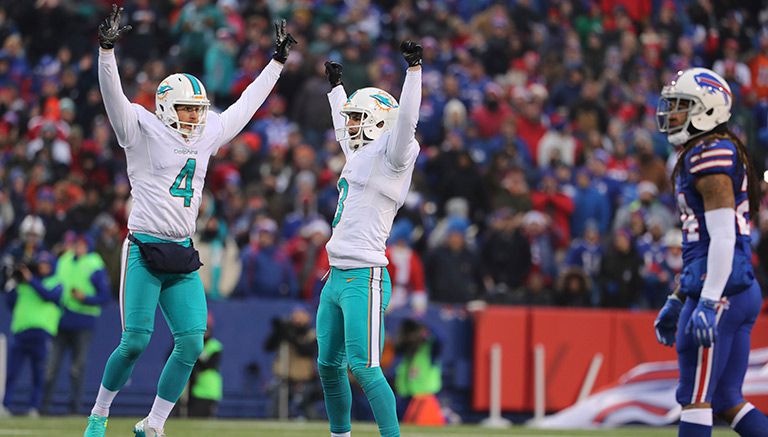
110	30
283	42
333	73
412	52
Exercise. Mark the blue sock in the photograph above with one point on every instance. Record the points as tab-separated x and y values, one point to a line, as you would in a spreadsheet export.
752	422
338	397
696	422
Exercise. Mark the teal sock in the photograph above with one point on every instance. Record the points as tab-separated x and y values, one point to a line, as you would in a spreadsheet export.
120	364
177	369
381	398
338	397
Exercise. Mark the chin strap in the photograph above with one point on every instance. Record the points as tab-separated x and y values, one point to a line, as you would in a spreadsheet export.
679	138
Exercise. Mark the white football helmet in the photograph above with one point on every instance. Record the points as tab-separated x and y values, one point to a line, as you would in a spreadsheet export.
706	102
181	89
379	113
32	225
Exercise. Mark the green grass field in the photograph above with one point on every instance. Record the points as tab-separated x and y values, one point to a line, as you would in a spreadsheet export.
120	426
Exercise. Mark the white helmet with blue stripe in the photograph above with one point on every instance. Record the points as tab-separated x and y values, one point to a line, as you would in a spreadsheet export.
378	113
181	89
702	96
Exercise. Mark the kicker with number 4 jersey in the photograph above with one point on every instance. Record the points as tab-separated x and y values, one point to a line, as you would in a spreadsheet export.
718	156
166	171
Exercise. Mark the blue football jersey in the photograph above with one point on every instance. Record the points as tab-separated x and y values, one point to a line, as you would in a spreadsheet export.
713	156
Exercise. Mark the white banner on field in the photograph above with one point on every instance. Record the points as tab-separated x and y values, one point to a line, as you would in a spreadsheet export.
645	395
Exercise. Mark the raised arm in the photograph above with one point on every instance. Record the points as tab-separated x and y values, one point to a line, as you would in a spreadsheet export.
235	118
121	114
399	152
336	99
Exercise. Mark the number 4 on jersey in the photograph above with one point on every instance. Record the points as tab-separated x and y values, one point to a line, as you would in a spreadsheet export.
185	176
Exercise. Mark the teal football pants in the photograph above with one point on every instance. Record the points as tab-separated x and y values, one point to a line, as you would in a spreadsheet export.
182	301
350	332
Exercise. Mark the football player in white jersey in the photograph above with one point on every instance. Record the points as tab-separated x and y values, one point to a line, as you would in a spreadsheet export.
378	139
167	155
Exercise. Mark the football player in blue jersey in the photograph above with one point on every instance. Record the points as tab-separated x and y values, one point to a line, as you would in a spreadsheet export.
718	298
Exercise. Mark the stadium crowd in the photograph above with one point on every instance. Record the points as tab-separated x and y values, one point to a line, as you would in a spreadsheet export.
542	178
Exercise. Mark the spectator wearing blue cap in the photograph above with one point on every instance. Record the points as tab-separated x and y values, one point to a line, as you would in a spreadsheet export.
86	289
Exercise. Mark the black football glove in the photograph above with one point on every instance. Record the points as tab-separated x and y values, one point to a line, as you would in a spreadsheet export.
110	30
283	42
333	73
411	52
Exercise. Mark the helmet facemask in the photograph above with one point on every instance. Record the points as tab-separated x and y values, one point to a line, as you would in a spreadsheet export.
358	134
674	114
187	128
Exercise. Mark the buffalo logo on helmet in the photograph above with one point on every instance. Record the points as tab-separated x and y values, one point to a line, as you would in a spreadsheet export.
707	81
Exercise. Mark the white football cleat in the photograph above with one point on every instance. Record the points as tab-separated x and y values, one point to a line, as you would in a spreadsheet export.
142	429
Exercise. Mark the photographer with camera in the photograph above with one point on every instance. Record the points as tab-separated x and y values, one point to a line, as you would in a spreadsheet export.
23	250
419	375
33	297
295	342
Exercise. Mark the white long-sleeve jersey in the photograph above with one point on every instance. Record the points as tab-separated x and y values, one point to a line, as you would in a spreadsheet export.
374	182
167	173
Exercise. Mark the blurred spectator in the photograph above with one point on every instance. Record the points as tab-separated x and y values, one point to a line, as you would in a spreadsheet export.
506	255
406	270
267	270
452	269
589	205
310	259
196	28
419	376
557	146
295	342
646	206
730	67
574	289
538	229
220	257
620	280
550	200
205	383
219	65
33	292
586	254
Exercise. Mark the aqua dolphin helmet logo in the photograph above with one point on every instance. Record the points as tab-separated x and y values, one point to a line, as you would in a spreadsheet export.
162	90
712	84
385	102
